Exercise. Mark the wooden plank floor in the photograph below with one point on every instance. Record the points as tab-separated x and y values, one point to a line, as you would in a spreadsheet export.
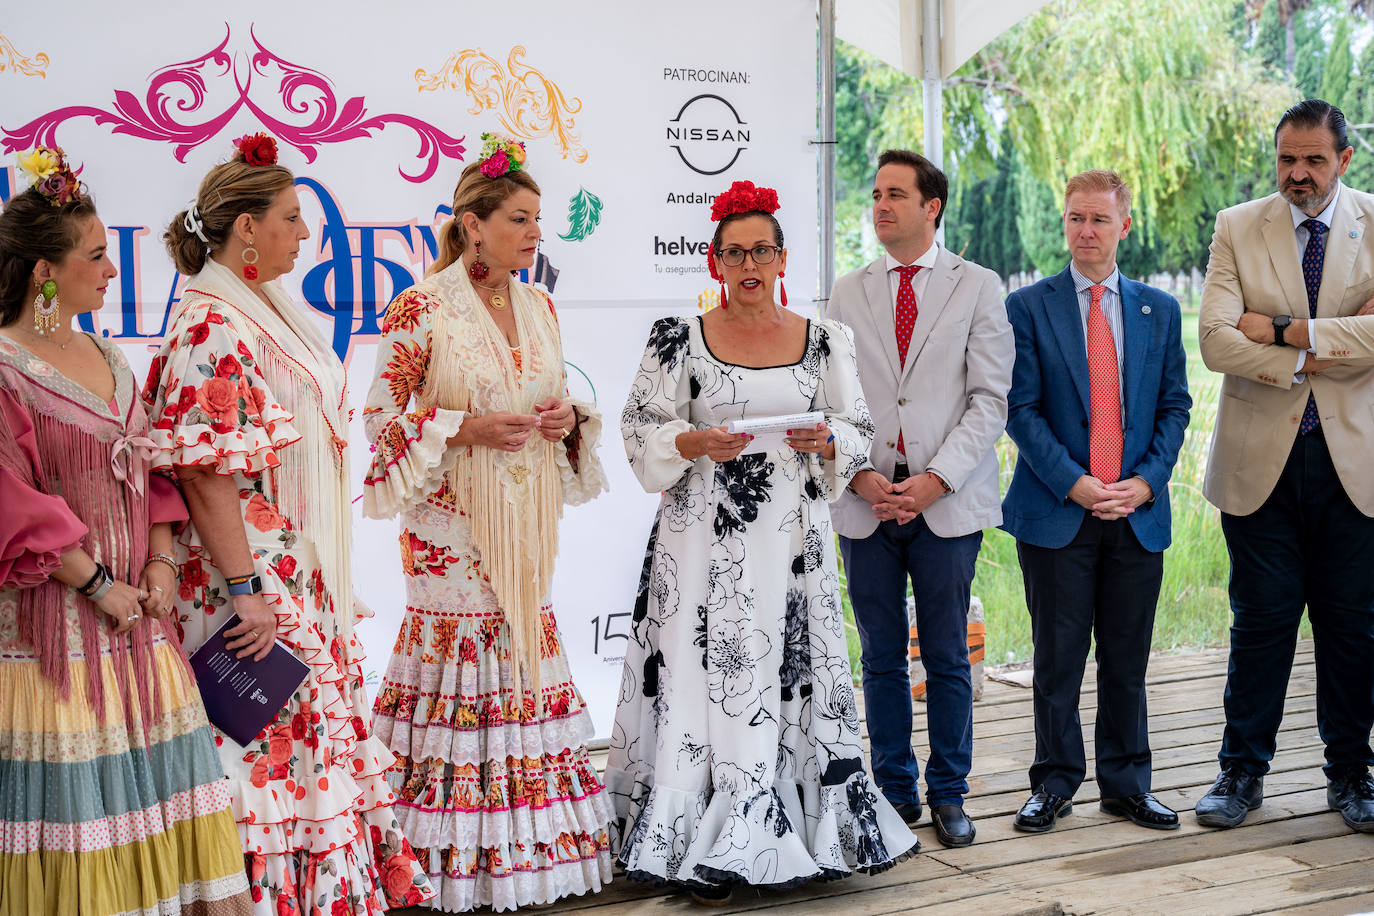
1292	854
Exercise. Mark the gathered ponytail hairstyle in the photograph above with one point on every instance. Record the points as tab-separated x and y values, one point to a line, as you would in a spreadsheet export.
33	229
481	196
229	189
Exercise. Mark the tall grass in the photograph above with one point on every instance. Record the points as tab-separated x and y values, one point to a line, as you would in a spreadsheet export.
1193	611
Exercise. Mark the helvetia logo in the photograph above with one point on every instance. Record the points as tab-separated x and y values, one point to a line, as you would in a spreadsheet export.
708	134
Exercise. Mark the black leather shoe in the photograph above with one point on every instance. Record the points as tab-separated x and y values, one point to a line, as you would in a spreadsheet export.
910	812
1041	810
952	825
1143	809
1234	795
1353	796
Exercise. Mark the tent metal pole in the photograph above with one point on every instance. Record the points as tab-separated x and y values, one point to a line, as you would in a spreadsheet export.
826	190
933	83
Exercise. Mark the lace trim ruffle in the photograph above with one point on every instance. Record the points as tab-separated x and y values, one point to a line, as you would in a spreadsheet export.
403	473
589	480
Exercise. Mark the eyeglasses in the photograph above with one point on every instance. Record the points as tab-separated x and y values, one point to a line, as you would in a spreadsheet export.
762	254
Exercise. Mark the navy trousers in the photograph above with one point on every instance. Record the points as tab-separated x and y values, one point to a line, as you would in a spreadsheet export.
1306	546
941	573
1102	584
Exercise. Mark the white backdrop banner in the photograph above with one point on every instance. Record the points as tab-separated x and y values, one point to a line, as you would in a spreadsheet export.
634	117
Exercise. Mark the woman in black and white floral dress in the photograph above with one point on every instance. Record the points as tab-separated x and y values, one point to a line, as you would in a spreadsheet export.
736	756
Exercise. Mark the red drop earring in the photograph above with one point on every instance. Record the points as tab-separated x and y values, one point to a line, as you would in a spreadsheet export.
782	287
250	265
478	269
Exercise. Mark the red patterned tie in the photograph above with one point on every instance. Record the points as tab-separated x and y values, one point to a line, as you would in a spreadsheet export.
906	322
1104	430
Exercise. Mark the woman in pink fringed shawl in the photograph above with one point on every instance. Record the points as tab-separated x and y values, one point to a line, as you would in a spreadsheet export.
112	798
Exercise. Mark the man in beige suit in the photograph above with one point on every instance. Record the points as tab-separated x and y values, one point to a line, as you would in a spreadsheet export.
1286	317
935	355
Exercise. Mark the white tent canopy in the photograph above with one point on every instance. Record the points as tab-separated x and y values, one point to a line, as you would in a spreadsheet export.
929	39
892	30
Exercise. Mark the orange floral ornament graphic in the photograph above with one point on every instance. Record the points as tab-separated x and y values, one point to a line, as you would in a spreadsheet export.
528	103
11	59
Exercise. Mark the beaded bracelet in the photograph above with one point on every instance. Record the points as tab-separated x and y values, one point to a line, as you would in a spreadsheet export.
163	558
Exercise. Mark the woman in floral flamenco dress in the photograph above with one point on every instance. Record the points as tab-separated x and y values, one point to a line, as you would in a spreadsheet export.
478	448
248	407
735	757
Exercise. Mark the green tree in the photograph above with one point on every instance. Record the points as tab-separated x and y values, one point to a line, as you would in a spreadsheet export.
1361	111
1335	85
1310	61
1270	38
981	220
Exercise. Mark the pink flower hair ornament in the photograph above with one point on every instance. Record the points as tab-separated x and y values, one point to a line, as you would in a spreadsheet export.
501	155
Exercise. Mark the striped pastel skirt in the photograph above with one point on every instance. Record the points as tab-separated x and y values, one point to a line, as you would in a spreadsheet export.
111	813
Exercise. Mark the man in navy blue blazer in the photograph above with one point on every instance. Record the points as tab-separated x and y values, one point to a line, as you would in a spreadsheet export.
1098	405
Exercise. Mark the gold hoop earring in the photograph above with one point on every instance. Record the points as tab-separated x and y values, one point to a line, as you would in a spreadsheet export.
45	308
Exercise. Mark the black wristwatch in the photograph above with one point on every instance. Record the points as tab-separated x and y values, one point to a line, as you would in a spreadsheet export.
1281	323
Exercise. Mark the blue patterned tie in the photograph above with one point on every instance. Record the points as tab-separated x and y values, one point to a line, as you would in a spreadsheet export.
1312	257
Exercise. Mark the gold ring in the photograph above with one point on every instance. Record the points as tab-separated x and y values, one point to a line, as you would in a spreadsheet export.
254	634
567	431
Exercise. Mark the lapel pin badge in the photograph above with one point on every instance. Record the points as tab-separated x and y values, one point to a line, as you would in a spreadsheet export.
1354	233
1144	310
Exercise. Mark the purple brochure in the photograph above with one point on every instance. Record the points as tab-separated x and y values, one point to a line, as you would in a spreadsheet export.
241	695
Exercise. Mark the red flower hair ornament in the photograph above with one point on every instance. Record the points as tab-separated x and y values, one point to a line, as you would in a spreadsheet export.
256	149
743	197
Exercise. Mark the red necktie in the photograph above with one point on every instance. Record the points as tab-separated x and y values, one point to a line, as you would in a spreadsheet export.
906	322
1104	396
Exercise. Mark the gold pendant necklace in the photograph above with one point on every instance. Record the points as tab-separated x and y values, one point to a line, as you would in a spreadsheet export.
498	301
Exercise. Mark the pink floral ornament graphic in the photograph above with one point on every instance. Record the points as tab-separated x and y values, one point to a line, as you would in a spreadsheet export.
181	90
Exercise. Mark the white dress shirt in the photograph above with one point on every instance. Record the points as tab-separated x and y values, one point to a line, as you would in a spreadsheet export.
1301	235
919	282
1111	308
918	286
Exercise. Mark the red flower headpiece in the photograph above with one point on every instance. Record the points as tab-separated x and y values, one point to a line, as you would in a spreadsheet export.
256	149
744	197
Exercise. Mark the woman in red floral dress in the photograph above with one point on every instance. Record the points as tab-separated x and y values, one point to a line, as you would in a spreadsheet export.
248	405
477	449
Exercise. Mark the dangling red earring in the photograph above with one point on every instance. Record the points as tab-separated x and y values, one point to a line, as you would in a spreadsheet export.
250	265
783	287
715	274
478	269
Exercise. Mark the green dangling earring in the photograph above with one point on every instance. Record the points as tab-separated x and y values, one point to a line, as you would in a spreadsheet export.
45	308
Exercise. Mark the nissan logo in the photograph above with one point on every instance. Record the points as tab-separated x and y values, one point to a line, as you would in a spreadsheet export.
708	134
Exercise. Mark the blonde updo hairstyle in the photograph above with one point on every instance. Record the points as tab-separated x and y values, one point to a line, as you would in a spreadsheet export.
481	196
229	190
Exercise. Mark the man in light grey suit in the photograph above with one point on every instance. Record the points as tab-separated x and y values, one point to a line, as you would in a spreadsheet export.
935	355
